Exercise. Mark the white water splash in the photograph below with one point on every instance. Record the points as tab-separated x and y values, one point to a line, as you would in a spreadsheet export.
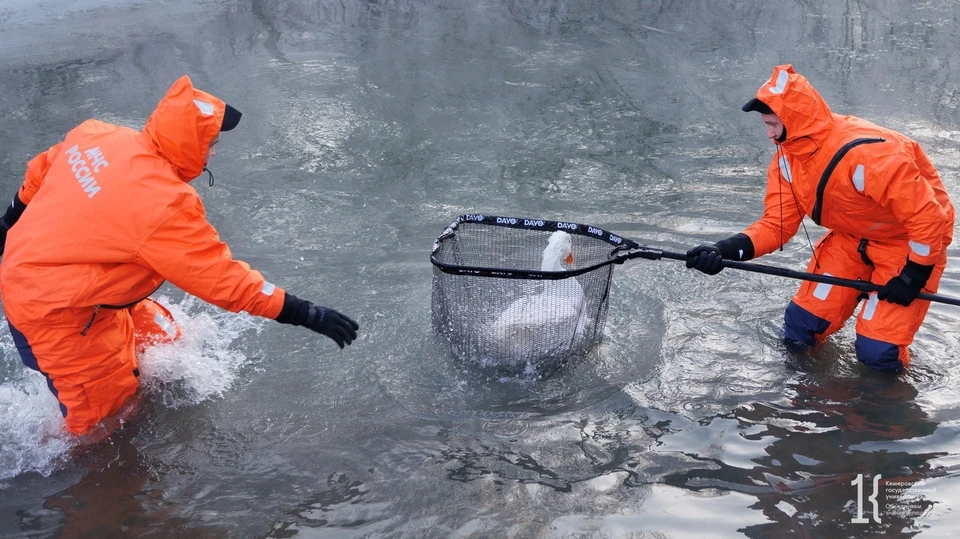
31	436
202	365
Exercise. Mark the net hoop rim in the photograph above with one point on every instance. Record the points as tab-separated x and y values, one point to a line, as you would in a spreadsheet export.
619	243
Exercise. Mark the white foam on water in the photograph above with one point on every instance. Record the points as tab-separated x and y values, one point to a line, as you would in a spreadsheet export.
31	435
200	366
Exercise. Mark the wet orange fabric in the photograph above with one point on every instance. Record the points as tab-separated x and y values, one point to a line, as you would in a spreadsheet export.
93	374
110	215
887	193
836	255
153	324
99	374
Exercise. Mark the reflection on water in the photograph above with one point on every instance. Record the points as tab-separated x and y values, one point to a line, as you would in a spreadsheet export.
806	455
119	496
368	125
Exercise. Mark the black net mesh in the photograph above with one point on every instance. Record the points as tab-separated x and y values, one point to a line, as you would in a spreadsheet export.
505	296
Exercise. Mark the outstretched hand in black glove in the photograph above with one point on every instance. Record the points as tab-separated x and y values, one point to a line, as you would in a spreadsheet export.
905	288
709	258
300	312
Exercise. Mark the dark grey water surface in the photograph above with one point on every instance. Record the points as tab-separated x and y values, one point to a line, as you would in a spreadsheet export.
368	126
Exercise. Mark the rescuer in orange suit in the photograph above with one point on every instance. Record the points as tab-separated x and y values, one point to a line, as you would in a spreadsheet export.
888	216
100	221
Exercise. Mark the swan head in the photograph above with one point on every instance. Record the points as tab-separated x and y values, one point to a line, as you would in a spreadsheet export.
559	249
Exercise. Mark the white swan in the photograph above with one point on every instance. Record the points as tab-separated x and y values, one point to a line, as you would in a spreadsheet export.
538	324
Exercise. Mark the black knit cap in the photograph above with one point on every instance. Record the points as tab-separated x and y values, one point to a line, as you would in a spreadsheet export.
757	105
231	117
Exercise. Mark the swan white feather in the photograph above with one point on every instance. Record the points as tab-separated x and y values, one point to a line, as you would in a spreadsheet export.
538	323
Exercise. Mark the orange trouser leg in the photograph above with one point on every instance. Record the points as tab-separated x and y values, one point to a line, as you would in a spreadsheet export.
884	329
835	255
92	375
880	322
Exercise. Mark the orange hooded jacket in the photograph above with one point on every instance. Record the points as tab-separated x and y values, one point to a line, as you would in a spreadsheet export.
110	215
883	190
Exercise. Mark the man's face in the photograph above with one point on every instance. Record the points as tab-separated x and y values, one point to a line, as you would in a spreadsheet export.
774	126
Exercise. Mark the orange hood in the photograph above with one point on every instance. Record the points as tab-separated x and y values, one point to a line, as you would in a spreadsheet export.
798	105
183	125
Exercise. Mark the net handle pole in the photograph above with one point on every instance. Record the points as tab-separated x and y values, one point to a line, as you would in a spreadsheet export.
863	286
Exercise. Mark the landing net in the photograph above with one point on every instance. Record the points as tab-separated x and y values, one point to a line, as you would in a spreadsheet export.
507	295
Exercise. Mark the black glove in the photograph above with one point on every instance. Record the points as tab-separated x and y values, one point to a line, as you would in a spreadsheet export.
905	288
300	312
705	258
709	258
9	219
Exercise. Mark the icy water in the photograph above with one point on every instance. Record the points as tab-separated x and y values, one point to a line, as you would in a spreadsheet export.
368	126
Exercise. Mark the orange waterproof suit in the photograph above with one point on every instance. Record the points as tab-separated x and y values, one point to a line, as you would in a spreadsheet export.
883	202
109	216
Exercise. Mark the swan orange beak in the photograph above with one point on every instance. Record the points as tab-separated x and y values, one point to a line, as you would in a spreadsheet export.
569	259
